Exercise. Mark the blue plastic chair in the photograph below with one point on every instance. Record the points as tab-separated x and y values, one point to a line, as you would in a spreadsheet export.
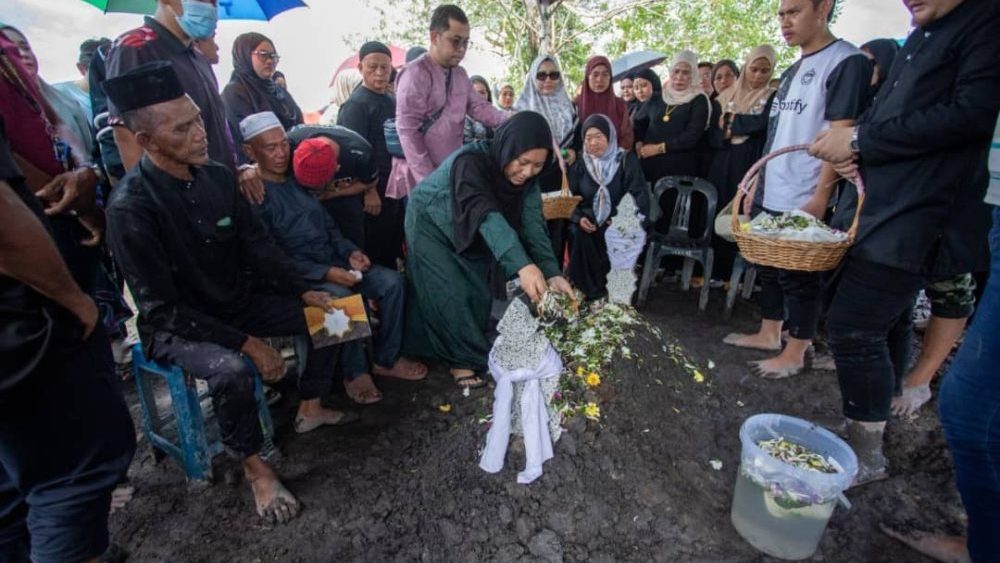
183	434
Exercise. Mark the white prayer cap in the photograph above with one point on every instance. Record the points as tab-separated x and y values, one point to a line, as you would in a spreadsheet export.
253	125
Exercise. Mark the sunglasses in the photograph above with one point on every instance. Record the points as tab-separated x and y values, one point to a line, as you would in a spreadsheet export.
554	76
272	55
459	42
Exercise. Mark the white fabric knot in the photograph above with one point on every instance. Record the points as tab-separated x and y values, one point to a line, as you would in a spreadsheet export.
624	248
534	416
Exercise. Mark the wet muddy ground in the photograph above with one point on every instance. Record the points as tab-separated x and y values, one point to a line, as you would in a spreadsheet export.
404	484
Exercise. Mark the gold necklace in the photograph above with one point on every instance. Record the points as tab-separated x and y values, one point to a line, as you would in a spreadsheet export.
670	110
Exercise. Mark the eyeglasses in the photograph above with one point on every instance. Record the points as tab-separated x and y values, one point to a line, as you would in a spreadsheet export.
553	76
272	55
459	42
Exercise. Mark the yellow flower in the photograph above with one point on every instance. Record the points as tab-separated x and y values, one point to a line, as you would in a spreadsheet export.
592	411
579	370
445	408
698	377
593	379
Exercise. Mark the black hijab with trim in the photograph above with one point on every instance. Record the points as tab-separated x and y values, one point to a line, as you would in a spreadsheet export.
478	185
265	95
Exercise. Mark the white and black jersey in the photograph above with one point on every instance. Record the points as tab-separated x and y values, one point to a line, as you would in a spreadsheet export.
828	85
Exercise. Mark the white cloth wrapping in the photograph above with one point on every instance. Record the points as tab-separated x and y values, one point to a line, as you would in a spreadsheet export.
624	248
534	416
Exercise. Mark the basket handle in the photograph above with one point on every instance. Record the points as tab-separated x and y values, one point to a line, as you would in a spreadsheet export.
749	181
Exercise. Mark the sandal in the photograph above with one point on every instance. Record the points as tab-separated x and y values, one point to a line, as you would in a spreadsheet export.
460	380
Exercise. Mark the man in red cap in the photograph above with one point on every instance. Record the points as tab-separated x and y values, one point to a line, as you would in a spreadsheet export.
337	166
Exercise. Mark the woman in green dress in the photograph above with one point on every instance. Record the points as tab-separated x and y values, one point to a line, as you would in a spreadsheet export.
473	223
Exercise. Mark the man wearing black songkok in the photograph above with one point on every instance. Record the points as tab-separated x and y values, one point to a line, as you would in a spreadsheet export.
207	281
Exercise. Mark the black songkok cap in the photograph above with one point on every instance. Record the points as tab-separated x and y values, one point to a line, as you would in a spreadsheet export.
373	47
145	85
413	53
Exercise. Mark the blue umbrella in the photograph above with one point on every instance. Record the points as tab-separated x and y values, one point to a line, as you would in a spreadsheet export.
255	9
228	9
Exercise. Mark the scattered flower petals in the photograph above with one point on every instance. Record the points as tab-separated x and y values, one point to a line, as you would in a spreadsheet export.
593	379
716	464
445	408
711	364
699	377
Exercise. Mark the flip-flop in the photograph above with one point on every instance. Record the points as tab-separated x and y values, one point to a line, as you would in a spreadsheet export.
757	370
734	338
303	425
481	377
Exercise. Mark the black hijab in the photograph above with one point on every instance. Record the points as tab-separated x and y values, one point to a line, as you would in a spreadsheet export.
884	51
478	184
265	95
652	77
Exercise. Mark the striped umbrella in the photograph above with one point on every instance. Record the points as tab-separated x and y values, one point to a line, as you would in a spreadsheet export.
228	9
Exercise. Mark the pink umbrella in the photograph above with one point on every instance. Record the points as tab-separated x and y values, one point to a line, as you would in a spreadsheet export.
398	60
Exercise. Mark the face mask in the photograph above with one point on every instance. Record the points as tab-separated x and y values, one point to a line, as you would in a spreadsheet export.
199	19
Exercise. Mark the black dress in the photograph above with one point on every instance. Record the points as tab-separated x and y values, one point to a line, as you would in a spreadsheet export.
729	164
588	260
683	133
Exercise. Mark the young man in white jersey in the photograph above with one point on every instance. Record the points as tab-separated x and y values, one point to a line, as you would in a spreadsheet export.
826	87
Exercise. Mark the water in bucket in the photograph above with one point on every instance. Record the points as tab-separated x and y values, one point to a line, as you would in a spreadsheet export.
780	509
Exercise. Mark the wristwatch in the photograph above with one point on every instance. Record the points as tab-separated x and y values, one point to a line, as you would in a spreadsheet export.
854	141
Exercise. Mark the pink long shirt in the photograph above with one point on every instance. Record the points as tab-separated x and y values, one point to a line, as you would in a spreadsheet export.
420	91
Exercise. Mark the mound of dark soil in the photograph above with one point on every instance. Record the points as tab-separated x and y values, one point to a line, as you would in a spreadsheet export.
404	484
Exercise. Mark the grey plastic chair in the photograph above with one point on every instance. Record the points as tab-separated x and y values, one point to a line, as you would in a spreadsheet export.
678	240
743	272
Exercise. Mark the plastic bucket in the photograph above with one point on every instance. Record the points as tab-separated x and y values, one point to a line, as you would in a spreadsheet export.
780	509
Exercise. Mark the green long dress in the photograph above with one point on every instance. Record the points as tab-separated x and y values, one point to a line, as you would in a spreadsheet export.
448	298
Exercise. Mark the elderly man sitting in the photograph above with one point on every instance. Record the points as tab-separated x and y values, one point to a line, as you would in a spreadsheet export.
322	255
207	280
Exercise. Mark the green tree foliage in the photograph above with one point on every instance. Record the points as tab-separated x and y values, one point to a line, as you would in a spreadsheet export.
573	30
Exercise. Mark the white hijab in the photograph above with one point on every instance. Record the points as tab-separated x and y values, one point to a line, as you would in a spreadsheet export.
557	108
675	97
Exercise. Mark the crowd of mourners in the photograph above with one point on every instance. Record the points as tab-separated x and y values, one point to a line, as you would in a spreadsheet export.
224	214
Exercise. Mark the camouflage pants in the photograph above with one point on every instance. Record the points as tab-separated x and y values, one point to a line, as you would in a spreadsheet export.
952	298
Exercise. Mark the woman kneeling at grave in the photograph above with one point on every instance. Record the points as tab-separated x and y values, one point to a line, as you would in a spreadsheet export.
602	177
470	226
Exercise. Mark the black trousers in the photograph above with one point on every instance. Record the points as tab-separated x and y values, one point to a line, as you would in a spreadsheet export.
230	375
66	440
384	234
868	329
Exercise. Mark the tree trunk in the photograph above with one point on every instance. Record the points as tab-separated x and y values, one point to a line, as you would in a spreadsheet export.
537	12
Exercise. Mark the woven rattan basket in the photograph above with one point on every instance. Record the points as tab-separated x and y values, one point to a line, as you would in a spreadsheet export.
789	254
562	205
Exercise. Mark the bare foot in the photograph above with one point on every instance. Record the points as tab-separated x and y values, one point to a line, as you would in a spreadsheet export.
907	404
778	367
306	421
121	496
362	390
404	368
947	549
275	504
756	341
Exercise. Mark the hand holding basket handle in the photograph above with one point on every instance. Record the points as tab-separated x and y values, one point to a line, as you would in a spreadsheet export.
788	254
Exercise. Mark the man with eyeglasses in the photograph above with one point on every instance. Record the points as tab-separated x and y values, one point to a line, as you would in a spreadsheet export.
433	96
171	35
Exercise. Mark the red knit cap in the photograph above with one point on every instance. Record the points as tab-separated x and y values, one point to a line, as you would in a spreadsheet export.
314	163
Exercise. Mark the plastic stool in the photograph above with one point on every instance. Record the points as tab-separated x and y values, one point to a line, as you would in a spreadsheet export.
181	434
